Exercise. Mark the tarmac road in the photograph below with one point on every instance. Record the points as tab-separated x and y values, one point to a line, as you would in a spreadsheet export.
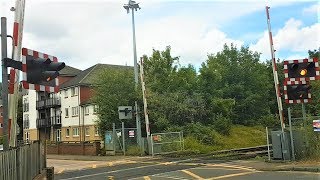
186	169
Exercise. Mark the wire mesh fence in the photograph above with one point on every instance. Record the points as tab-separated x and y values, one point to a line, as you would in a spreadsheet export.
164	143
299	140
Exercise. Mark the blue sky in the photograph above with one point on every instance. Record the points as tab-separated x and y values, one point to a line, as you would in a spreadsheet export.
85	32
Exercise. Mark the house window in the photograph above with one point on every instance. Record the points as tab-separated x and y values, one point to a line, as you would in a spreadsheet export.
27	136
66	93
74	91
87	110
26	121
75	132
96	131
67	112
1	126
87	131
95	109
75	111
67	132
25	106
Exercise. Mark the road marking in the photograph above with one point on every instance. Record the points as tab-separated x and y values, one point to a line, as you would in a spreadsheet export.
191	174
110	164
61	170
232	166
231	175
170	177
146	178
120	170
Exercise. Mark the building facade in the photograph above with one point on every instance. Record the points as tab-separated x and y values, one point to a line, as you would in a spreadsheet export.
67	115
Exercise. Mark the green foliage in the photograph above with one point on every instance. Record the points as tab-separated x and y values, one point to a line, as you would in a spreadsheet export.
239	137
1	140
114	87
237	74
133	151
222	124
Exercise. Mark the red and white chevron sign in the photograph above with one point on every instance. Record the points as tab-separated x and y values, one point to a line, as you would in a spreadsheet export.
286	70
295	101
37	87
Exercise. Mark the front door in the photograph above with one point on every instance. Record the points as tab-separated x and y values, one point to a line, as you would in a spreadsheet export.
58	135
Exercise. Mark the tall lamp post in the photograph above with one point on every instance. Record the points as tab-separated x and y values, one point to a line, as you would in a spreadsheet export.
133	6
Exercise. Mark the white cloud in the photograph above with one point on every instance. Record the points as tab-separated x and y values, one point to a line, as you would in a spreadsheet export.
83	33
315	8
292	37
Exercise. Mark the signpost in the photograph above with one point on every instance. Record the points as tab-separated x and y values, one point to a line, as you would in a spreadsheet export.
316	125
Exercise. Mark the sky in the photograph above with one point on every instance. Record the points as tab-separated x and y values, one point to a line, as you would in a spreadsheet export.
82	33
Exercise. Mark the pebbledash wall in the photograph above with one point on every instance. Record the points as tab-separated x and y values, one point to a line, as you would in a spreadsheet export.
77	118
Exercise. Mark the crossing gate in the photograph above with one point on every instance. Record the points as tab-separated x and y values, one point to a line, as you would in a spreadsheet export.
164	143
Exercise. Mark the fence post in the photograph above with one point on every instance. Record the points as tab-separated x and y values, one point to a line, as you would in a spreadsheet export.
18	163
291	135
269	158
151	139
114	137
123	139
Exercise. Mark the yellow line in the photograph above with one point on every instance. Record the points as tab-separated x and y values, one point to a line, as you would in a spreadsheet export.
60	171
232	166
231	175
146	178
192	174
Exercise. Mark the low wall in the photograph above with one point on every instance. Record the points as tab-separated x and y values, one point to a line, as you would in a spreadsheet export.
74	148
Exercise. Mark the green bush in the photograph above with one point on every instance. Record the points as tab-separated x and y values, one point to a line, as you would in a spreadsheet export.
1	140
222	125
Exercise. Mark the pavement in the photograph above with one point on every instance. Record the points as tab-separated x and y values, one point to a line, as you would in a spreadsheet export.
64	163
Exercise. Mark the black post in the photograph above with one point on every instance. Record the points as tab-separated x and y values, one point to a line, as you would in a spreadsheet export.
4	83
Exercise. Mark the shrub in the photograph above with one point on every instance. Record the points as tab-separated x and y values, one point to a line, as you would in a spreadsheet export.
222	125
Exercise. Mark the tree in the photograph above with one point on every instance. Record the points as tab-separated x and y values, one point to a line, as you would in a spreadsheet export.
113	87
236	74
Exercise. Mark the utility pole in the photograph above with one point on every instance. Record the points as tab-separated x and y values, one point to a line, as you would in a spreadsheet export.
134	7
4	83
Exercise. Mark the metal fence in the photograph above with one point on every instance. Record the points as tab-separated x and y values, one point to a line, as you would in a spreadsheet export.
24	162
164	143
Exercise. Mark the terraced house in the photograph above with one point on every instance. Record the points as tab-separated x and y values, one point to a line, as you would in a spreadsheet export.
65	116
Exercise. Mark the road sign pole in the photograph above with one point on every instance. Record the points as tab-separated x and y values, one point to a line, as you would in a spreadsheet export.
4	83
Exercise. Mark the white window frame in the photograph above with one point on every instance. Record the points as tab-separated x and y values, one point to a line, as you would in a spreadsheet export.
66	111
75	132
87	131
27	136
96	131
66	93
1	125
68	132
74	91
95	109
75	111
87	110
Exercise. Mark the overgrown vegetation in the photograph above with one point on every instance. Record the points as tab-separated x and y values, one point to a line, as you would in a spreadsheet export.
223	104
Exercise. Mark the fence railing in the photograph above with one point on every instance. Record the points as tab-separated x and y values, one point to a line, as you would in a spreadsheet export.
163	143
23	163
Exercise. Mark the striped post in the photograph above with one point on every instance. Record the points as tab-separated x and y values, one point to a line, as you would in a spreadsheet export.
14	74
144	94
275	73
